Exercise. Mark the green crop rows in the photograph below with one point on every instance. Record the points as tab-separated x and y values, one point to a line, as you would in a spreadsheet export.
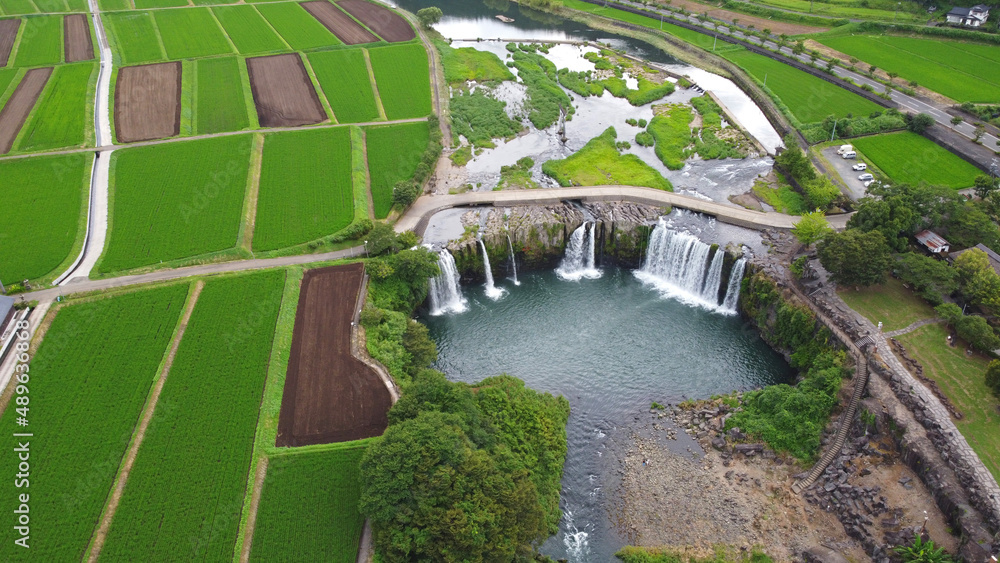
41	41
403	80
185	493
303	494
89	381
134	35
394	152
220	103
343	75
298	203
962	71
248	30
112	5
48	194
141	4
61	117
190	33
6	77
176	200
909	158
300	30
810	99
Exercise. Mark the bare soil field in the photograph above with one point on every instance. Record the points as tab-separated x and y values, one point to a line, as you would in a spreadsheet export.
78	44
329	395
282	92
382	21
19	105
148	102
778	27
8	33
339	23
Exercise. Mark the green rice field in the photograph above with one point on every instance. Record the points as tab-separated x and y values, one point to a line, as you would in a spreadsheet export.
302	493
164	211
845	10
248	30
966	72
403	80
911	159
41	41
185	493
90	379
112	5
142	4
190	33
296	26
220	104
808	98
130	35
393	154
48	193
18	7
700	39
62	115
343	75
297	204
6	78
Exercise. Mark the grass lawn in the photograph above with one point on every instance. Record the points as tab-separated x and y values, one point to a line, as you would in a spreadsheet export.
909	158
891	303
599	162
965	72
783	199
961	379
810	99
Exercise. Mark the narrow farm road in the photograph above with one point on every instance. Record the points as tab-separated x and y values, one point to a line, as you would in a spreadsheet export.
438	82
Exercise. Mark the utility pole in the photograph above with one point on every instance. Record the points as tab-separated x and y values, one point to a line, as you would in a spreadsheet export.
896	12
366	250
834	133
765	80
716	42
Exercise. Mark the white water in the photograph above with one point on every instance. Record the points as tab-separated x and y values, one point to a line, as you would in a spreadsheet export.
492	291
678	266
578	263
445	292
574	539
513	260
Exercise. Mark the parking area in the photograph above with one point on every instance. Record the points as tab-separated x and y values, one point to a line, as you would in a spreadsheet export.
843	168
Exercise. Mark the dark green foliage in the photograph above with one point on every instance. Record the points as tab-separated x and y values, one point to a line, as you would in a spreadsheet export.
972	329
405	192
644	138
545	98
932	279
812	228
793	161
855	257
579	82
890	120
993	377
422	349
919	123
921	551
480	119
429	16
820	193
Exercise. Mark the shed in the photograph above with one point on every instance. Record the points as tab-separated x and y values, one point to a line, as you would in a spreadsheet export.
933	242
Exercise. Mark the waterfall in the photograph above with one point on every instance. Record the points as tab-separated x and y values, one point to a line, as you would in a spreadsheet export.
578	263
678	265
513	261
445	292
733	291
492	291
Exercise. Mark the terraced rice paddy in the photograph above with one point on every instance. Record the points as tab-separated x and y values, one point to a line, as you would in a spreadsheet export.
343	75
403	80
62	116
909	158
393	154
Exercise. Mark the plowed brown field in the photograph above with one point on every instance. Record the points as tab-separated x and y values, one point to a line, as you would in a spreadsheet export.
383	21
282	92
148	102
339	23
8	33
329	395
78	44
19	105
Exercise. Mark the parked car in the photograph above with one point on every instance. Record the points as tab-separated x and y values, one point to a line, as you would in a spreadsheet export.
845	149
864	177
860	166
869	182
849	154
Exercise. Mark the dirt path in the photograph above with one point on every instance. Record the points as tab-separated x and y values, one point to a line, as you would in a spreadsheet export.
913	327
371	79
253	186
140	432
437	80
258	487
368	175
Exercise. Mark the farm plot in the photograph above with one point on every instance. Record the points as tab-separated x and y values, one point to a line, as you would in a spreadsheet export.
8	33
383	21
298	202
191	33
143	4
133	37
343	75
79	45
220	103
810	99
7	76
19	105
329	395
303	494
339	23
19	7
394	152
909	158
41	41
48	194
62	116
91	377
166	211
183	498
403	80
961	71
148	102
296	26
114	5
282	92
248	30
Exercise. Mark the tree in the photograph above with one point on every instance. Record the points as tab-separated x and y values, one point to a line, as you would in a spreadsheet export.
405	192
978	333
890	211
932	279
381	239
979	282
820	193
871	70
429	16
799	47
956	120
812	227
920	123
993	377
422	349
892	77
854	257
795	162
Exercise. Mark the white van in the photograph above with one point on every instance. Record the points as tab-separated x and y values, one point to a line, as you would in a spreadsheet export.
845	148
861	166
849	154
864	177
